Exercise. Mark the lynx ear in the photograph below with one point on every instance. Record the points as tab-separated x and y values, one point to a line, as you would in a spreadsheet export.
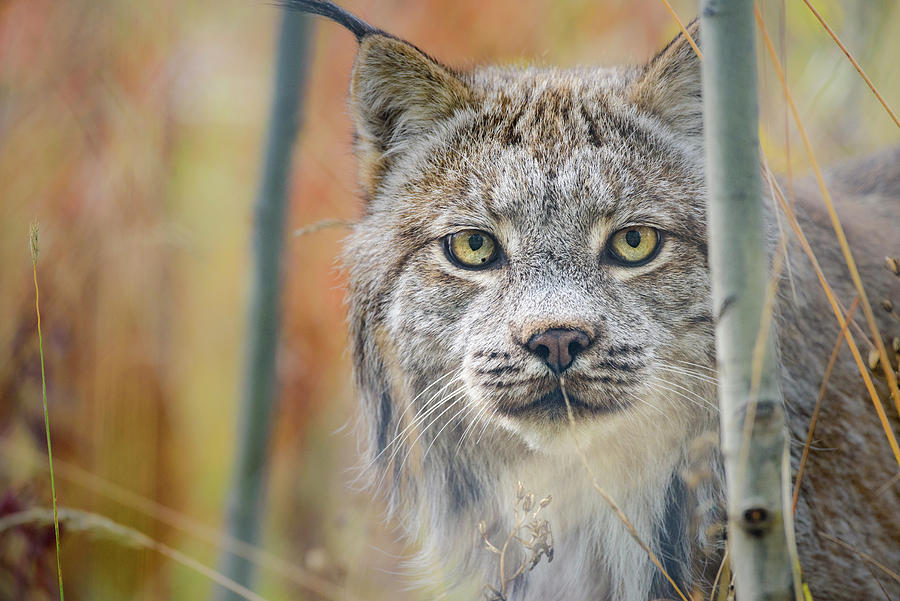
670	87
396	94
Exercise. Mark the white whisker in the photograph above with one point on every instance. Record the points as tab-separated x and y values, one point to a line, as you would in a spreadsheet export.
712	370
468	408
412	403
456	397
687	372
470	428
635	397
421	417
487	423
449	402
704	403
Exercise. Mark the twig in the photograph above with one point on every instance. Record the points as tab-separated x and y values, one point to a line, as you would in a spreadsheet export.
539	542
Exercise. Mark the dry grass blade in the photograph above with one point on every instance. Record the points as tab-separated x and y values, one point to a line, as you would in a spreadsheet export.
715	585
35	253
782	240
865	556
832	213
815	415
188	525
318	226
684	30
887	485
96	525
855	64
609	500
839	314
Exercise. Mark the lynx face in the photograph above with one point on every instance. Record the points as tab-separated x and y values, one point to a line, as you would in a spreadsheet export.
554	295
525	225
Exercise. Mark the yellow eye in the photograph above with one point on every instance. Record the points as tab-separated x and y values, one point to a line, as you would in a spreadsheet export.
473	249
635	244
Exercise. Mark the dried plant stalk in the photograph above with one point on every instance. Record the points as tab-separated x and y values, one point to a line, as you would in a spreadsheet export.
531	533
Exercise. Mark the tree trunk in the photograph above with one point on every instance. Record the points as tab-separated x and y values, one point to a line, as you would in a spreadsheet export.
751	404
245	499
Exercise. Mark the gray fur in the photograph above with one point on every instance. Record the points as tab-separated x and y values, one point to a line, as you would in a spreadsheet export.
552	162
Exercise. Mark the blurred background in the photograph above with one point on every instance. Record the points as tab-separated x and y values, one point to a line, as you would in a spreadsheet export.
132	131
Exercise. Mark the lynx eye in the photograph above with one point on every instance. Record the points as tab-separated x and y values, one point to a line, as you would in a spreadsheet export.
634	245
471	249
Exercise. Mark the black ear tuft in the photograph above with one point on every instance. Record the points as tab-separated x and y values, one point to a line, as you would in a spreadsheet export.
669	86
334	12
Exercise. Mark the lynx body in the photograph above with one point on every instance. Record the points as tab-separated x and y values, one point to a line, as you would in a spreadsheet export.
459	362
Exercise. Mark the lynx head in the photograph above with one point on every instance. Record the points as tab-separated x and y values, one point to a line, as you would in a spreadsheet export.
523	225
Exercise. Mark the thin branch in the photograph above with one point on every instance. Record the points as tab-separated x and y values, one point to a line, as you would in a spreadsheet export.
318	226
254	423
760	534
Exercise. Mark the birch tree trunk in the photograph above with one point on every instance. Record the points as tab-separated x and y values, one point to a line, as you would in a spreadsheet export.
751	404
245	499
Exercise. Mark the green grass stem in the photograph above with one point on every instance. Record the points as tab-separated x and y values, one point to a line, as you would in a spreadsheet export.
35	251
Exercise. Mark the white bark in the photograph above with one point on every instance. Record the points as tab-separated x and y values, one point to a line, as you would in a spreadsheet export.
757	529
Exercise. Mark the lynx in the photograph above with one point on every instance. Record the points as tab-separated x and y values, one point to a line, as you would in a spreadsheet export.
525	225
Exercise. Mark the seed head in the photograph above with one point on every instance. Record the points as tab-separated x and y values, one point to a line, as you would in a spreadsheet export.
893	264
33	239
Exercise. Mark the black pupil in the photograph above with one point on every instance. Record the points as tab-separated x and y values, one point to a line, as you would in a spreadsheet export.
476	241
633	238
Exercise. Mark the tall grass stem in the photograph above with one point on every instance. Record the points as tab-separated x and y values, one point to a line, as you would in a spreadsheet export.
35	252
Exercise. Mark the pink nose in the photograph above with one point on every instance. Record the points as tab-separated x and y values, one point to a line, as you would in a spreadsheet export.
558	347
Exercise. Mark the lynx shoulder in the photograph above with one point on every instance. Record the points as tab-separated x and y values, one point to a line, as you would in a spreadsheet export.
532	265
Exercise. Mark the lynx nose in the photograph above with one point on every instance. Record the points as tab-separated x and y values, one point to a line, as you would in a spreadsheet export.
558	347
